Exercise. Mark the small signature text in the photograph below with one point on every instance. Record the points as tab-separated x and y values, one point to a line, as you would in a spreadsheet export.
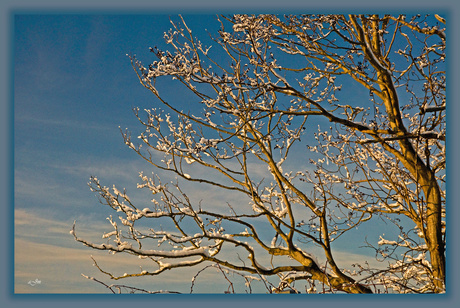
34	282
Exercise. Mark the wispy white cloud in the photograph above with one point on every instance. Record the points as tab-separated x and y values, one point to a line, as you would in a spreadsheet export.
47	206
59	124
45	251
59	269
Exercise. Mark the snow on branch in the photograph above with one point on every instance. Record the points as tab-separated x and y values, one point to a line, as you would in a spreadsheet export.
308	127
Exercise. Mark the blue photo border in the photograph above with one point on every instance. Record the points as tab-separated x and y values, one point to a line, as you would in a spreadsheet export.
9	8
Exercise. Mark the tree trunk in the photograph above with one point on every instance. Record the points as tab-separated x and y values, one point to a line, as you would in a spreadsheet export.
433	232
432	224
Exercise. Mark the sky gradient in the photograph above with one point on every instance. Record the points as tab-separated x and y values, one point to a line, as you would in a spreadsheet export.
73	87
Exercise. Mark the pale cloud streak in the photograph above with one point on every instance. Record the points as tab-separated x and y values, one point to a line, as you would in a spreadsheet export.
46	252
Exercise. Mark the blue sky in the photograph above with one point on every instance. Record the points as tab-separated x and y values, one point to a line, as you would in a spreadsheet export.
73	87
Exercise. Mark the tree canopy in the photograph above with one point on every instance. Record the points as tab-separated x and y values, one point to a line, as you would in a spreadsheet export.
313	126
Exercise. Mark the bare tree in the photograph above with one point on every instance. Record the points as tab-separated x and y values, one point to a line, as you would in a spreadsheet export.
286	93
